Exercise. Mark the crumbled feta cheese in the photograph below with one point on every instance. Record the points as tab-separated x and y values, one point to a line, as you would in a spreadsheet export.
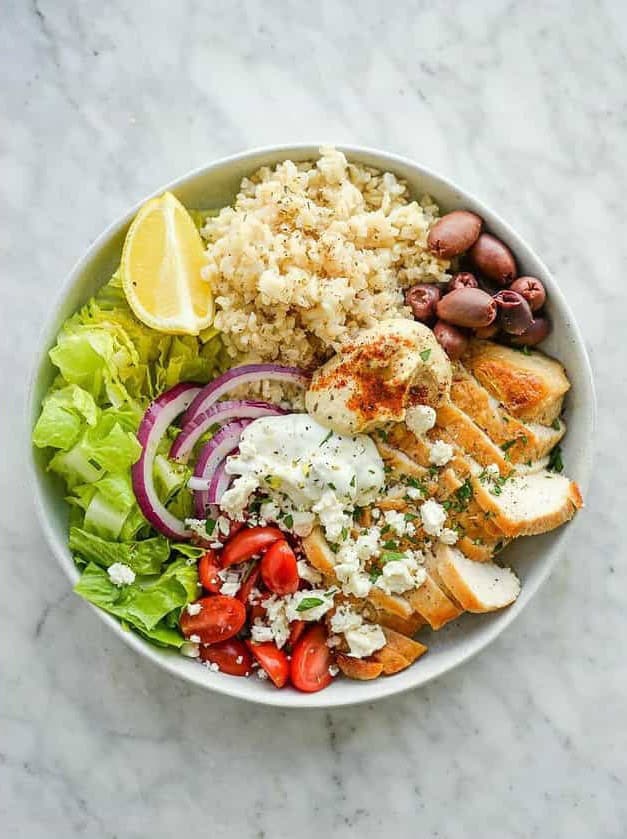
399	524
120	574
239	659
420	419
270	511
260	634
199	526
375	513
232	582
331	513
308	573
433	516
195	639
303	522
365	640
440	453
333	641
194	608
235	499
277	619
333	670
189	649
261	674
400	575
344	619
214	666
493	470
448	536
413	493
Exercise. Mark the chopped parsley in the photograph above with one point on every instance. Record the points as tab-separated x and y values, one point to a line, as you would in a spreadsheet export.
556	464
497	488
556	424
331	486
425	354
288	521
353	480
390	546
506	446
210	526
309	603
390	556
328	437
344	534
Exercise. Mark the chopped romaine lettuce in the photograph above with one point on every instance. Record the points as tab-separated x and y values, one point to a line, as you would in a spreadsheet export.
145	603
110	367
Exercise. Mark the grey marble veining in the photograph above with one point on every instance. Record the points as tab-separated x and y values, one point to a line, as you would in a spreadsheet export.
524	104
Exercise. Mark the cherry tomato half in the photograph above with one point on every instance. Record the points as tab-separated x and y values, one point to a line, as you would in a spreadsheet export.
296	630
245	544
279	570
231	656
220	617
208	567
311	658
248	585
273	660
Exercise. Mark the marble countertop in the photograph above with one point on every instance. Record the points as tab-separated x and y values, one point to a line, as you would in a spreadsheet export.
524	104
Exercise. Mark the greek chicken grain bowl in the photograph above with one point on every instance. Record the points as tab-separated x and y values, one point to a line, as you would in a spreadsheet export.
299	418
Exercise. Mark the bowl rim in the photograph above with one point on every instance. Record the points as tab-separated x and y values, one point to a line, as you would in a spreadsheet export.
230	687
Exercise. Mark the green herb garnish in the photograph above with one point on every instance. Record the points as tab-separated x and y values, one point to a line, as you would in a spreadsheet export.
309	603
425	354
210	526
556	464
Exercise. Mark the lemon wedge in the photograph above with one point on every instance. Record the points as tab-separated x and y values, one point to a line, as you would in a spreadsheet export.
162	259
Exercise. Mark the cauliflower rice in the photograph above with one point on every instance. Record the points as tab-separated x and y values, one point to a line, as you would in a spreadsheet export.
310	253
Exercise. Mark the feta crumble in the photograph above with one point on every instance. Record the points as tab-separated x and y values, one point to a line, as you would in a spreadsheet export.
440	453
400	575
120	574
189	649
399	524
448	536
365	640
308	573
420	419
433	516
194	608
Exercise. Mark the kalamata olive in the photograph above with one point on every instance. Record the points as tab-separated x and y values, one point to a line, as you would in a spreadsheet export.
454	233
452	340
514	312
532	290
494	259
487	332
467	307
540	328
464	279
421	299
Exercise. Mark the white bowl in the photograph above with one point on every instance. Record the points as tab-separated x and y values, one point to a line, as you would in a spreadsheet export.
215	186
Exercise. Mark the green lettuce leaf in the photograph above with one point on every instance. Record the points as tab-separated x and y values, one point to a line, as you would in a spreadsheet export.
64	413
145	557
144	603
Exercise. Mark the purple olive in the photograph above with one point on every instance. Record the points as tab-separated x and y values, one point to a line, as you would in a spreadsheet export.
469	307
464	279
422	299
452	340
540	328
454	233
514	312
494	259
532	290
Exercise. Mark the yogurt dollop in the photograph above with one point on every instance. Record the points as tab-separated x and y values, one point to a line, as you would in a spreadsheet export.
294	458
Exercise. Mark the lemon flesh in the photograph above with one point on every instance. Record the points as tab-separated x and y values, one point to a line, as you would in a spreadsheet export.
162	259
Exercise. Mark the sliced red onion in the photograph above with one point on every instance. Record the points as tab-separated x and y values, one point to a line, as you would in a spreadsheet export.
216	415
158	417
213	453
246	374
221	481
